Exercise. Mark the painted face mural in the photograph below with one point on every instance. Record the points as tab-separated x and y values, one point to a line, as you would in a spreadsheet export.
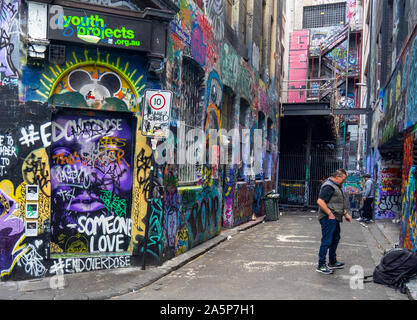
91	180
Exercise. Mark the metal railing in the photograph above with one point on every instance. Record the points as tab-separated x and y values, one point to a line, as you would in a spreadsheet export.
312	90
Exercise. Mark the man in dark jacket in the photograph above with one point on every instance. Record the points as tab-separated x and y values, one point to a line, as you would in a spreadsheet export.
368	199
332	204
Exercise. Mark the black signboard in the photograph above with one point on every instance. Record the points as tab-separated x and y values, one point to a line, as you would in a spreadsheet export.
93	27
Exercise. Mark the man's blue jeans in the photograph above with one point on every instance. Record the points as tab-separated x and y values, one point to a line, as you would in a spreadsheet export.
330	231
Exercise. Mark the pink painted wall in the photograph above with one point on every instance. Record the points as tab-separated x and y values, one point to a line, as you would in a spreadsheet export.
298	65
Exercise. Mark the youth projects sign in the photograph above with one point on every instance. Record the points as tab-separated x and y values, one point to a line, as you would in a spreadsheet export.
85	26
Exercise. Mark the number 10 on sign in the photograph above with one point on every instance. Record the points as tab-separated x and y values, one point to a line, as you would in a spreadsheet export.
156	113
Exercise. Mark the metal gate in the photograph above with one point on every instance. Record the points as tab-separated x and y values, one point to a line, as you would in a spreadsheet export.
300	178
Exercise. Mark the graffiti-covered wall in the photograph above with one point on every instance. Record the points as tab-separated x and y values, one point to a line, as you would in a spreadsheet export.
91	182
397	128
388	191
73	159
408	237
196	33
70	156
75	170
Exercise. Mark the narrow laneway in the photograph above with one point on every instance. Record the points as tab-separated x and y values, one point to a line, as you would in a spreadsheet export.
276	260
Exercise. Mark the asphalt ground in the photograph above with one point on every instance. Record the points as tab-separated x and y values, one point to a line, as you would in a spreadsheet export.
262	261
277	260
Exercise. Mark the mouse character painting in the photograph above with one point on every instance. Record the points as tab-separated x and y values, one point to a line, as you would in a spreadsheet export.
95	91
101	82
94	87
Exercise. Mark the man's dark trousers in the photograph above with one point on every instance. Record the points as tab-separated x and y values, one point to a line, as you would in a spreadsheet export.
330	231
367	208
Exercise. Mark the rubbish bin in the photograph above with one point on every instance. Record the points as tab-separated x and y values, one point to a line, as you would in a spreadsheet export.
271	205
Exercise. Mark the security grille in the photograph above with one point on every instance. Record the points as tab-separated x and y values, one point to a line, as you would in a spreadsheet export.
293	176
191	108
325	15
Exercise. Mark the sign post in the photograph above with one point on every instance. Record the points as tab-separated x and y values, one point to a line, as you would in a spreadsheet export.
155	125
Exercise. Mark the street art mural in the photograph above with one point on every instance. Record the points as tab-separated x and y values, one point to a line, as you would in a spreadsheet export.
92	80
409	195
229	65
9	54
388	198
244	198
353	12
399	104
12	233
91	181
229	216
342	61
338	57
172	210
408	237
411	105
353	188
321	36
78	216
24	191
394	104
194	34
202	215
8	33
214	10
75	169
399	109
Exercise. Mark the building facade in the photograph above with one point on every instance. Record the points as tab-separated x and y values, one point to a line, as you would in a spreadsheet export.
320	97
76	168
391	156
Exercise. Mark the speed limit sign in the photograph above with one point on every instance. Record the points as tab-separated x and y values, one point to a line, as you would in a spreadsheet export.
157	101
156	113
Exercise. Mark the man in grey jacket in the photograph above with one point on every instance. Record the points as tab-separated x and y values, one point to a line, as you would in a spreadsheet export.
332	204
368	199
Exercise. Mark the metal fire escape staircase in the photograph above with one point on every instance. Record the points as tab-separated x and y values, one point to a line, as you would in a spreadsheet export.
340	75
332	42
325	90
323	98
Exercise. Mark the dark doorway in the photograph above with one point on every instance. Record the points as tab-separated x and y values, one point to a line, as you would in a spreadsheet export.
308	155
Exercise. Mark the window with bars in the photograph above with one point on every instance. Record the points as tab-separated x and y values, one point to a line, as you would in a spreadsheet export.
325	15
261	126
191	115
227	119
243	118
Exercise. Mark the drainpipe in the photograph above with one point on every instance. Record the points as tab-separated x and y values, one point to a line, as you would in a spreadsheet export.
308	165
278	145
370	87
